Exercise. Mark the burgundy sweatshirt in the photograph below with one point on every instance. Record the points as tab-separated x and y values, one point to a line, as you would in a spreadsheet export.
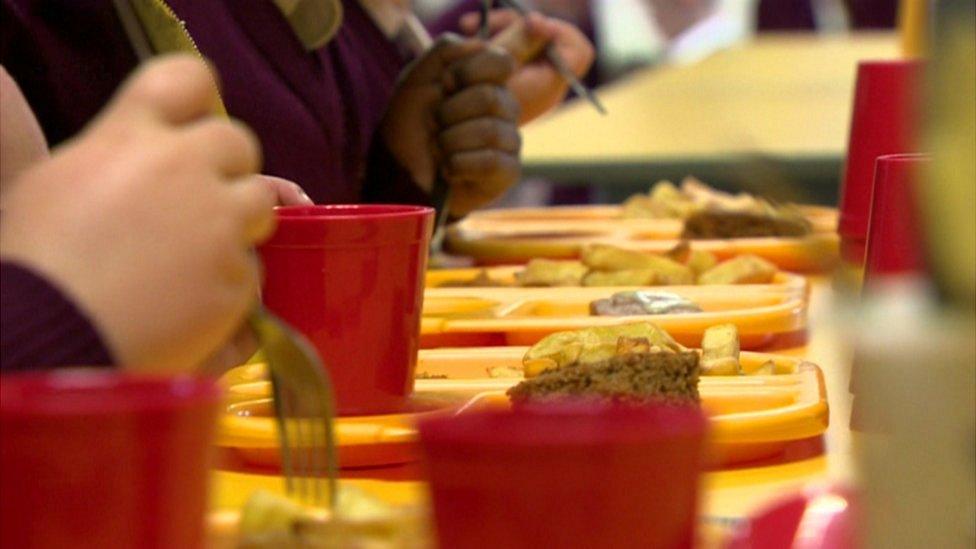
41	328
316	115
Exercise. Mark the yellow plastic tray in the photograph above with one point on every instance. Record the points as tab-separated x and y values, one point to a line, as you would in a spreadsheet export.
592	220
466	317
505	274
520	234
751	417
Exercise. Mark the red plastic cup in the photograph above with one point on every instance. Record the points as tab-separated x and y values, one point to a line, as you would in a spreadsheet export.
817	518
894	244
884	121
351	278
894	251
104	459
566	476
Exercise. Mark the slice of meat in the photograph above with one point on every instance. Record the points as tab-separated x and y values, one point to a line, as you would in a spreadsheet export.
631	378
719	224
643	303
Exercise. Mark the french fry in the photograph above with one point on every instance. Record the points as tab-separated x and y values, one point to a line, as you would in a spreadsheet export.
744	269
633	345
592	345
700	261
627	277
601	257
532	367
767	368
720	350
680	253
550	272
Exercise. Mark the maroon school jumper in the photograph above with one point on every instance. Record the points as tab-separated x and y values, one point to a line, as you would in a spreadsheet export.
316	113
41	328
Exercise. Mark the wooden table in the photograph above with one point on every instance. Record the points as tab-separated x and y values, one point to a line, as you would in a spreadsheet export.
728	495
774	109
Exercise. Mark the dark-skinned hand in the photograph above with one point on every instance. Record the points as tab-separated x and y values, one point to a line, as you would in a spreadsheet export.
536	84
453	112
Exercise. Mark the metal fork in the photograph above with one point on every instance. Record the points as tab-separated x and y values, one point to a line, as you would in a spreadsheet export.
560	65
301	389
303	411
483	30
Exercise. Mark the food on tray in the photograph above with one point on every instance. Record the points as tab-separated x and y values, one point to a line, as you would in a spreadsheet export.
265	513
633	377
681	252
662	202
496	372
428	375
700	261
626	277
481	280
767	368
775	221
633	363
642	303
720	348
743	269
602	265
720	351
709	213
270	520
665	200
550	272
591	345
666	271
603	257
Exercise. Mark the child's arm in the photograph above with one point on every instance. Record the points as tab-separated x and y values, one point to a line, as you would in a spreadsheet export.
22	142
145	222
42	328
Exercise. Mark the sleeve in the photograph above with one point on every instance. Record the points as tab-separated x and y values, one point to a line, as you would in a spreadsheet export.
450	20
387	182
21	57
41	328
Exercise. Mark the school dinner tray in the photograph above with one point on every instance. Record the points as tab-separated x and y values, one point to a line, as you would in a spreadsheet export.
505	276
751	417
518	235
476	317
602	219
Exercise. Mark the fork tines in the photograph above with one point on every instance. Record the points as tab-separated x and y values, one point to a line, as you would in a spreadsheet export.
303	412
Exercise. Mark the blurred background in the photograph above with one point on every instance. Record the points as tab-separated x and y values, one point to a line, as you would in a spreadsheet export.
745	94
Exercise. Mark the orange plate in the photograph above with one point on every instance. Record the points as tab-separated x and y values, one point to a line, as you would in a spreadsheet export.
518	235
751	417
603	220
466	317
249	430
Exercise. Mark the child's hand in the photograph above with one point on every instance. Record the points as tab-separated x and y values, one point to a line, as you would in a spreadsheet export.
537	85
287	192
147	219
22	142
452	112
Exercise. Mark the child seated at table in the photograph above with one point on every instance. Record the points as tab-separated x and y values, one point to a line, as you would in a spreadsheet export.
131	244
355	119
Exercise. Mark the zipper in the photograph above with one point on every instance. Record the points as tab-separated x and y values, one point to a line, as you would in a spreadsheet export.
158	18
